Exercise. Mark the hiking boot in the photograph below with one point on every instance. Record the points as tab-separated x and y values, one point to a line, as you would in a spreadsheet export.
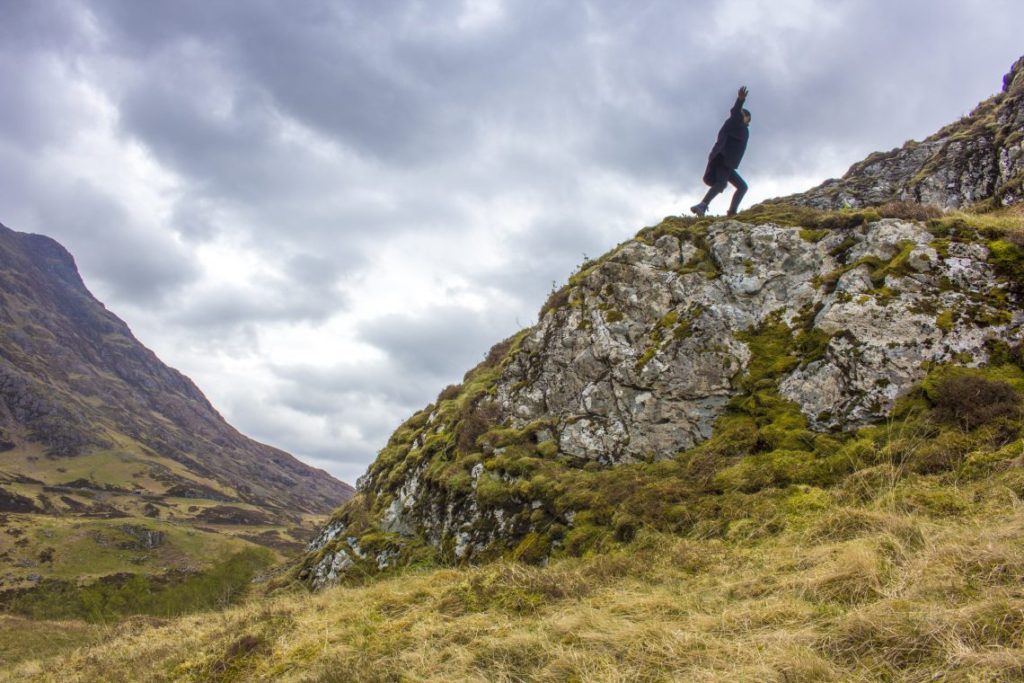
699	209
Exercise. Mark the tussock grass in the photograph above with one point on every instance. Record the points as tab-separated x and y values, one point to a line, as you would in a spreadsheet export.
868	590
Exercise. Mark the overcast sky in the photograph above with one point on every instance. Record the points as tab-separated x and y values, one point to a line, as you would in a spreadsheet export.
325	212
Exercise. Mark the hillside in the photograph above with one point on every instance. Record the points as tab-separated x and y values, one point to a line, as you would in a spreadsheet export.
786	446
769	552
703	355
112	462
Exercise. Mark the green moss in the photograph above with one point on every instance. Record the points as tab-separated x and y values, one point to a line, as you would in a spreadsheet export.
586	538
681	326
987	316
558	298
841	250
944	321
646	357
668	320
613	316
884	295
1001	353
492	492
879	270
811	345
770	346
897	265
806	502
548	449
813	235
941	246
534	548
815	223
1007	259
459	483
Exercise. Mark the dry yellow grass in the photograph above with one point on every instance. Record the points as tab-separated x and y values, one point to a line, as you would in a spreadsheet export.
876	592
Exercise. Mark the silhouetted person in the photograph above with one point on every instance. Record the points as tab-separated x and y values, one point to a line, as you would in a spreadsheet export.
725	158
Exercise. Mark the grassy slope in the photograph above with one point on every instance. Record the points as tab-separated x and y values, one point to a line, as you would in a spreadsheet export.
922	576
124	480
895	553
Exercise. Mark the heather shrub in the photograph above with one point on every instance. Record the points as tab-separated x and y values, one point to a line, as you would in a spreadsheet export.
969	401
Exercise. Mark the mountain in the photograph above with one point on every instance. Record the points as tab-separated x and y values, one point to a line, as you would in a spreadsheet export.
101	440
785	447
977	160
707	361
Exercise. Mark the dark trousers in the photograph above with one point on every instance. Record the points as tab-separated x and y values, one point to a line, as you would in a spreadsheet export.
722	176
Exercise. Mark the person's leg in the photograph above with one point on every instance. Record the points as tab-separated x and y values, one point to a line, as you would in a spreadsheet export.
720	175
737	197
713	192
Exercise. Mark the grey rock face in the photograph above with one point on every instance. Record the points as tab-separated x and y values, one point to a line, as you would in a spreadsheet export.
978	158
644	357
326	535
330	568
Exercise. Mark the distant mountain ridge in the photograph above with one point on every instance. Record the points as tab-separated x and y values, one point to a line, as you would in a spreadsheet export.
93	424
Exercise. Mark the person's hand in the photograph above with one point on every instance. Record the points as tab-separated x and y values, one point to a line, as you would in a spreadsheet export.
743	93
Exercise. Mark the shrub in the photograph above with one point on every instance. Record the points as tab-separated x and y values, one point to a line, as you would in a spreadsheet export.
476	421
498	352
970	401
449	392
911	211
557	299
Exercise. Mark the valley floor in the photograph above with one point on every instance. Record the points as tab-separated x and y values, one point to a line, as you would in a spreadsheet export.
923	580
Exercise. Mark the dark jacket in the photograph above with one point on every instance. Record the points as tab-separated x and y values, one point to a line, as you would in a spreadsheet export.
732	143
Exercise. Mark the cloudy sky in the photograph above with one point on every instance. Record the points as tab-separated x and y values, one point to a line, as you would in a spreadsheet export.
324	212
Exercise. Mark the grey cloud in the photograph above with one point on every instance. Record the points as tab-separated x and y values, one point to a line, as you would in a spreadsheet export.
38	109
343	452
180	120
438	341
313	271
54	25
129	262
317	390
322	63
264	302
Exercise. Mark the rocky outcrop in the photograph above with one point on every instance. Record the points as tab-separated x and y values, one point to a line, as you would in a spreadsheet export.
645	350
785	329
977	159
644	355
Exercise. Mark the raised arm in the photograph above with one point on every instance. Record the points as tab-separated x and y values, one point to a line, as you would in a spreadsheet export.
741	97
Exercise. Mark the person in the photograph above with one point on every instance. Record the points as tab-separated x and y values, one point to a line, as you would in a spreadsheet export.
725	157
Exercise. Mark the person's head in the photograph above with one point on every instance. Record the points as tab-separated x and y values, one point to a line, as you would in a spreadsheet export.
746	116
